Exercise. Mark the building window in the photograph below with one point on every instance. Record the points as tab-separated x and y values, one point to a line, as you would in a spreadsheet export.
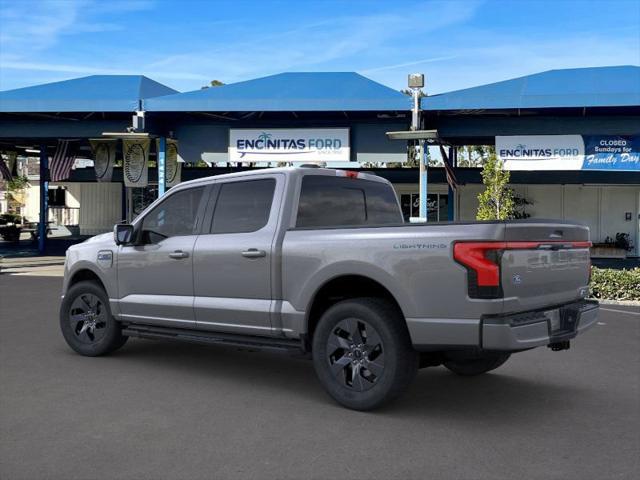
437	206
57	197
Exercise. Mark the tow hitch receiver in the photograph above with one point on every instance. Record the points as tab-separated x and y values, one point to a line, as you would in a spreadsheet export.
557	346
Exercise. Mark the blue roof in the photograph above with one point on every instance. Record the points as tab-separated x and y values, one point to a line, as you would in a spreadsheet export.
298	92
577	87
96	93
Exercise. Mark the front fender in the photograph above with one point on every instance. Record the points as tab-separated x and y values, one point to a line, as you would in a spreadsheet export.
79	260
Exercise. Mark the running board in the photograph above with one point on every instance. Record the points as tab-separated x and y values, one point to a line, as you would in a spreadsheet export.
281	345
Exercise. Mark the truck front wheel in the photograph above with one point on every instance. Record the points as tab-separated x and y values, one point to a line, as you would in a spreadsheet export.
86	321
362	353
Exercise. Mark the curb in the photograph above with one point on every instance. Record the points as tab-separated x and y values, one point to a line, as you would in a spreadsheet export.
30	265
5	267
628	303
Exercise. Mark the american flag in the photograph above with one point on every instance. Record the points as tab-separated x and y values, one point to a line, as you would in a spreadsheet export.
4	170
451	175
62	160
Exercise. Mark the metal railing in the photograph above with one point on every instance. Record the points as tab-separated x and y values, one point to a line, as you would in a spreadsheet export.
64	215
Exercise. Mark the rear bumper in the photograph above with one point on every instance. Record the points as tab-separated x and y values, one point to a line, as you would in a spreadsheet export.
534	329
507	332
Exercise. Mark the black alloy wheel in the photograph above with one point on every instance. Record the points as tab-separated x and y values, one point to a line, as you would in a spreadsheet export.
87	317
362	352
356	354
86	321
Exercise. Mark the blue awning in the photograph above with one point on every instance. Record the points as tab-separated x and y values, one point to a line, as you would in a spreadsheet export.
288	92
577	87
96	93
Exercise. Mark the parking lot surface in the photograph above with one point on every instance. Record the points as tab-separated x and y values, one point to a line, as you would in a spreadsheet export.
162	410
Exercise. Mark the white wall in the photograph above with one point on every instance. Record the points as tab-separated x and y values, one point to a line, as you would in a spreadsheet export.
100	207
614	203
31	208
602	208
100	204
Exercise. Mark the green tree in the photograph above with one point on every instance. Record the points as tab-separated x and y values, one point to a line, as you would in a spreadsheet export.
15	194
496	202
474	155
213	83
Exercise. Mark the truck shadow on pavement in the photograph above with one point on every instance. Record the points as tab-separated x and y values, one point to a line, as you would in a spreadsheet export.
501	396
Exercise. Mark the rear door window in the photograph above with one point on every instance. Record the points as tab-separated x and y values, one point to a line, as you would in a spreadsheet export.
336	201
243	206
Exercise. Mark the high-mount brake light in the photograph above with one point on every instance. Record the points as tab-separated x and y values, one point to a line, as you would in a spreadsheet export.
482	261
347	173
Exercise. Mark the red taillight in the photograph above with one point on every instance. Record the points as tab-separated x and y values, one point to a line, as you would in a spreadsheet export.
474	256
482	261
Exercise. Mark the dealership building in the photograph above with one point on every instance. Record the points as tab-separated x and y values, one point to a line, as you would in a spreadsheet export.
570	137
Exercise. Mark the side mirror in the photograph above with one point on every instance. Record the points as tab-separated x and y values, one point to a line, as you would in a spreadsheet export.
123	233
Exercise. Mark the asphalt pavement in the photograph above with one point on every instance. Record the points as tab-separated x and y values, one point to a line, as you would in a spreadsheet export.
162	410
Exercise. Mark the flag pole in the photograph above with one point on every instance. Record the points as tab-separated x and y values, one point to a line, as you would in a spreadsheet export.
44	199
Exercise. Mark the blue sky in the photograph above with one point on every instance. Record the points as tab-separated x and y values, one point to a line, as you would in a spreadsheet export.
184	44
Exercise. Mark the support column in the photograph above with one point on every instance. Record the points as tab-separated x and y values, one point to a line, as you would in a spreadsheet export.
124	207
44	199
450	193
423	180
161	162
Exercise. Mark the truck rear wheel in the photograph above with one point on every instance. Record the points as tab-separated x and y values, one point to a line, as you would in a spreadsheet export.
476	364
86	321
362	353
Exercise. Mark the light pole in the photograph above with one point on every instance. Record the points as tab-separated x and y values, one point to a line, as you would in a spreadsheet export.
416	83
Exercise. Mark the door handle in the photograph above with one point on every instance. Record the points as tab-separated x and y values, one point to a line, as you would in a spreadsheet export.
254	253
178	254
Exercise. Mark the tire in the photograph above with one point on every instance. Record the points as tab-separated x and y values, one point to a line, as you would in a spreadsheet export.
476	364
86	321
362	353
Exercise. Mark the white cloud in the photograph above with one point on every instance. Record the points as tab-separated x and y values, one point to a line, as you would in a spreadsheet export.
348	40
31	27
408	64
90	70
499	57
436	37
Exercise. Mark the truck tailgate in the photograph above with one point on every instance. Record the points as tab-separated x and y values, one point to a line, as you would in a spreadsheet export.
545	264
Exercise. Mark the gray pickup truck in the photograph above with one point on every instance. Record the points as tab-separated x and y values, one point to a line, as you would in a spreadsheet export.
319	262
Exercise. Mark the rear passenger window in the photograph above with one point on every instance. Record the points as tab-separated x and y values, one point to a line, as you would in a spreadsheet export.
243	207
335	201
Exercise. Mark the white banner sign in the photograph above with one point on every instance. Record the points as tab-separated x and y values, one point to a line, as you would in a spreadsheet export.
136	162
541	152
289	145
104	157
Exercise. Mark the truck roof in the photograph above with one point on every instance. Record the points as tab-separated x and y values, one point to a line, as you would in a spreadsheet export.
291	171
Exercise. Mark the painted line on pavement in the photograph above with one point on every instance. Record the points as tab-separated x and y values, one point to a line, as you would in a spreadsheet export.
619	311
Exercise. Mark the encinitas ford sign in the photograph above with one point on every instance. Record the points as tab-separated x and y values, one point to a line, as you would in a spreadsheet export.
541	152
289	145
569	152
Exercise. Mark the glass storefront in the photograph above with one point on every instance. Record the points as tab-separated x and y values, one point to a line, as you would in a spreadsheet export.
437	206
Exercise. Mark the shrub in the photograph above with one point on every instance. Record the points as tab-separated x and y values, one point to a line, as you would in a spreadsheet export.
609	284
